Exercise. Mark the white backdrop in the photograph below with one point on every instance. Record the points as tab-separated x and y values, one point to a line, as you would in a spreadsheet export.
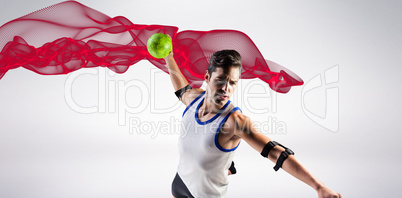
343	124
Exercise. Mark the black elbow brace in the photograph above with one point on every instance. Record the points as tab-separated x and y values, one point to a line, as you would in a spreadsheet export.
284	155
179	93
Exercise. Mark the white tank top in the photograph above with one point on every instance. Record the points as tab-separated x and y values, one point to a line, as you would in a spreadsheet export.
204	164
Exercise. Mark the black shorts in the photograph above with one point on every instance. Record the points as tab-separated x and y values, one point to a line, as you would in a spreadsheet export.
179	189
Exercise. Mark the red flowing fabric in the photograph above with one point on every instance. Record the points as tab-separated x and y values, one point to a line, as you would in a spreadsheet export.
68	36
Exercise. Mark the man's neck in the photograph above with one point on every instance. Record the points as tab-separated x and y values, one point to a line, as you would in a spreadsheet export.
209	106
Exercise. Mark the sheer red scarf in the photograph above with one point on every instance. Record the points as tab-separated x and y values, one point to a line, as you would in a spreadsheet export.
68	36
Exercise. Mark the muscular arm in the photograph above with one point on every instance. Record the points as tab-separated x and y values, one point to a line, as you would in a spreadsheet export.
177	78
243	128
179	81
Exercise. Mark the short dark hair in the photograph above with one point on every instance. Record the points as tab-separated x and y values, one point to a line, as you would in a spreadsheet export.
225	59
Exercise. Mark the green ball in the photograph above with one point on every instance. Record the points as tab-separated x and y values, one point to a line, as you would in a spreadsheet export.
159	45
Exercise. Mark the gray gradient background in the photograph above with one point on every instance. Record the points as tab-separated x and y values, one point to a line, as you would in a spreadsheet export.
49	150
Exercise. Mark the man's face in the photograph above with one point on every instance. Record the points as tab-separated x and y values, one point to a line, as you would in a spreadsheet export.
222	83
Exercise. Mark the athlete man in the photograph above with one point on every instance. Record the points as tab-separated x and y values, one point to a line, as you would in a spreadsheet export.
212	129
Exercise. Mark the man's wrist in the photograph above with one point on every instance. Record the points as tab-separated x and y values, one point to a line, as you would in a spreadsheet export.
318	186
169	57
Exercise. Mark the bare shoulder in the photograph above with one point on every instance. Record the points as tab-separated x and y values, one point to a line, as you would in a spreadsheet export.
241	127
237	122
190	95
241	121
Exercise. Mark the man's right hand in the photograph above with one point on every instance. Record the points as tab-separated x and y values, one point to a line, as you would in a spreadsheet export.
168	57
171	52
